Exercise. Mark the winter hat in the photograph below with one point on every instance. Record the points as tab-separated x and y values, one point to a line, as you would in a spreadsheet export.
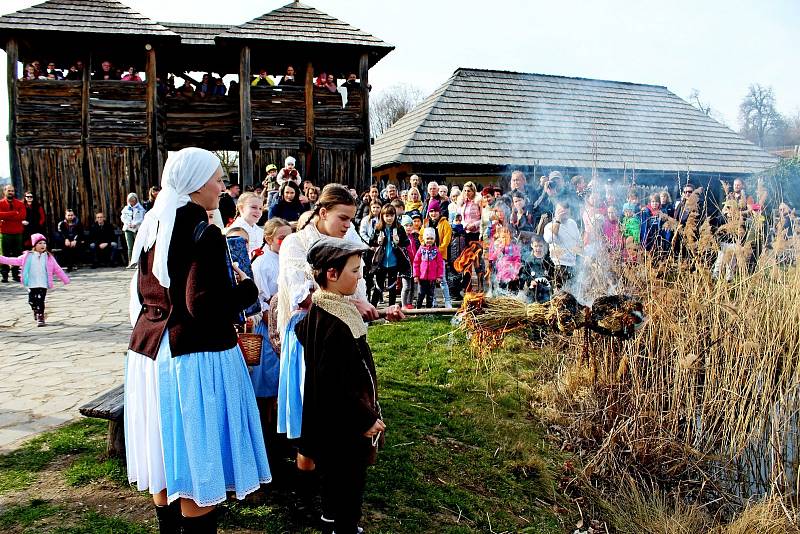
434	205
35	238
272	167
405	220
629	206
289	160
429	232
414	214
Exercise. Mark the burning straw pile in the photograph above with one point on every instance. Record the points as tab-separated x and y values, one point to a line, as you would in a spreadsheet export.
487	319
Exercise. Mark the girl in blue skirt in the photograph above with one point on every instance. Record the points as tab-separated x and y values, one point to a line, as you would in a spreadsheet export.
265	274
192	430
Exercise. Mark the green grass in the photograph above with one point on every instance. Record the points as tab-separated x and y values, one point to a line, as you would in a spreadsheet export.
25	515
463	452
19	468
94	523
461	456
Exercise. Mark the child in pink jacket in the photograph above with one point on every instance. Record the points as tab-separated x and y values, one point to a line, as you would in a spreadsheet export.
38	267
428	267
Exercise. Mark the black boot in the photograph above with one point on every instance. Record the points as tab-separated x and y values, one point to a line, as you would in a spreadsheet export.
205	524
169	518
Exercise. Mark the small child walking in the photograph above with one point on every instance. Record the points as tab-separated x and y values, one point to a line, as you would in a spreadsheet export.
342	421
38	268
428	267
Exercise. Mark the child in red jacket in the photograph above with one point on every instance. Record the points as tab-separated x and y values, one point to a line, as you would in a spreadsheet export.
38	268
428	267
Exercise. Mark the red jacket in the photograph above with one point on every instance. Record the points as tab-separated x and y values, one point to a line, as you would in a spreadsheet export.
12	213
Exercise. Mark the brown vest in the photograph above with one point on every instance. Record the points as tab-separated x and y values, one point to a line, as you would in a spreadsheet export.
201	305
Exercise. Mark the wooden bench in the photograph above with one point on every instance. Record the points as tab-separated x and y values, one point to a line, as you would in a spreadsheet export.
110	406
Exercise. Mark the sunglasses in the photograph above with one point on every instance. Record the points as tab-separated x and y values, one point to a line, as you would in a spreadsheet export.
688	191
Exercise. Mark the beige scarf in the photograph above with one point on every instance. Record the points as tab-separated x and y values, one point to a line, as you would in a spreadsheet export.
341	308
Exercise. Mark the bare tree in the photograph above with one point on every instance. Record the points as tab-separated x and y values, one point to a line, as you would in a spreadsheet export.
389	106
229	160
694	99
758	116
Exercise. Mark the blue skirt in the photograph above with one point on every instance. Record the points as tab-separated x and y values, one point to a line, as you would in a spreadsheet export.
264	376
291	380
210	431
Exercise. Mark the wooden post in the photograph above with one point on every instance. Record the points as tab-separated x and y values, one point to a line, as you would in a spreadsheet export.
246	120
152	115
310	148
85	81
86	172
12	53
363	74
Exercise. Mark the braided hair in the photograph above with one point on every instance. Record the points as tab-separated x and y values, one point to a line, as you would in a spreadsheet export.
332	195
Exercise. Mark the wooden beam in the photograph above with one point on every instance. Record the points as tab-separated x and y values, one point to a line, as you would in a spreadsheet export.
309	87
85	170
246	120
87	67
12	54
152	115
363	73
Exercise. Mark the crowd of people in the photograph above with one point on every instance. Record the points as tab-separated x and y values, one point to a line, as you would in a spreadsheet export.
208	85
202	422
529	238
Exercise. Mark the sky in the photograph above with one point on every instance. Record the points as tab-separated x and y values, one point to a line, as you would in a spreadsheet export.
718	47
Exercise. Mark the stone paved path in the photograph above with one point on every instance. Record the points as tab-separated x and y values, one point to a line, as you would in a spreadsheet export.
47	373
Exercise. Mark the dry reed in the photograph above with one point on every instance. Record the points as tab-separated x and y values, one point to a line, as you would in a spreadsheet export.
705	401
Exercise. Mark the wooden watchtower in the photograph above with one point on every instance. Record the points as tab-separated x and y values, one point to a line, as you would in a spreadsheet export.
87	143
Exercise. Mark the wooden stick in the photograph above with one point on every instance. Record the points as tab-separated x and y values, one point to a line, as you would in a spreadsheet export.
423	311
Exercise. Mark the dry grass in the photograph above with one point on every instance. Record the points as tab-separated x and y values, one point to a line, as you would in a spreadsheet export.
703	404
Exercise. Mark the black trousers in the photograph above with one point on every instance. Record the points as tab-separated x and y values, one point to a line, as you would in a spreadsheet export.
106	255
71	255
426	291
36	296
385	279
343	474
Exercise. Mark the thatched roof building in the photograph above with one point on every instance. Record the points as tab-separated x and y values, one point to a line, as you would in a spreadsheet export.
481	124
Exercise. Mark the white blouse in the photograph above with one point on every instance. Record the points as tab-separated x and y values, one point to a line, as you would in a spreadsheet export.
255	235
265	276
295	280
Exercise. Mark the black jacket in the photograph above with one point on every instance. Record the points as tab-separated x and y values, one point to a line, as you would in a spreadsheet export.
201	304
340	399
102	234
400	252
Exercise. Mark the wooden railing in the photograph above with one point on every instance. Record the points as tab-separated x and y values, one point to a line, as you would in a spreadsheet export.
49	114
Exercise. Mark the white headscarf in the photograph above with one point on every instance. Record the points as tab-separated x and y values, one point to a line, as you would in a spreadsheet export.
185	172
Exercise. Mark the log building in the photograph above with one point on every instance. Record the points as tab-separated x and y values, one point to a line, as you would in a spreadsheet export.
482	124
87	143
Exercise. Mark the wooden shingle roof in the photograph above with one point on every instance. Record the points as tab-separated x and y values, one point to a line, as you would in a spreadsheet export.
297	22
196	34
83	16
486	117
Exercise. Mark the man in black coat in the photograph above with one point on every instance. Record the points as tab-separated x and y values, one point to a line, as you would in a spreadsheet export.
103	242
70	238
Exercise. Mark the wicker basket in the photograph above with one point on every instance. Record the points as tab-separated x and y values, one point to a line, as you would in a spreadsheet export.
250	343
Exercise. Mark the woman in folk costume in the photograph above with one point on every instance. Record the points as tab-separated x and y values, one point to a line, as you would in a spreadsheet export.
332	217
192	430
